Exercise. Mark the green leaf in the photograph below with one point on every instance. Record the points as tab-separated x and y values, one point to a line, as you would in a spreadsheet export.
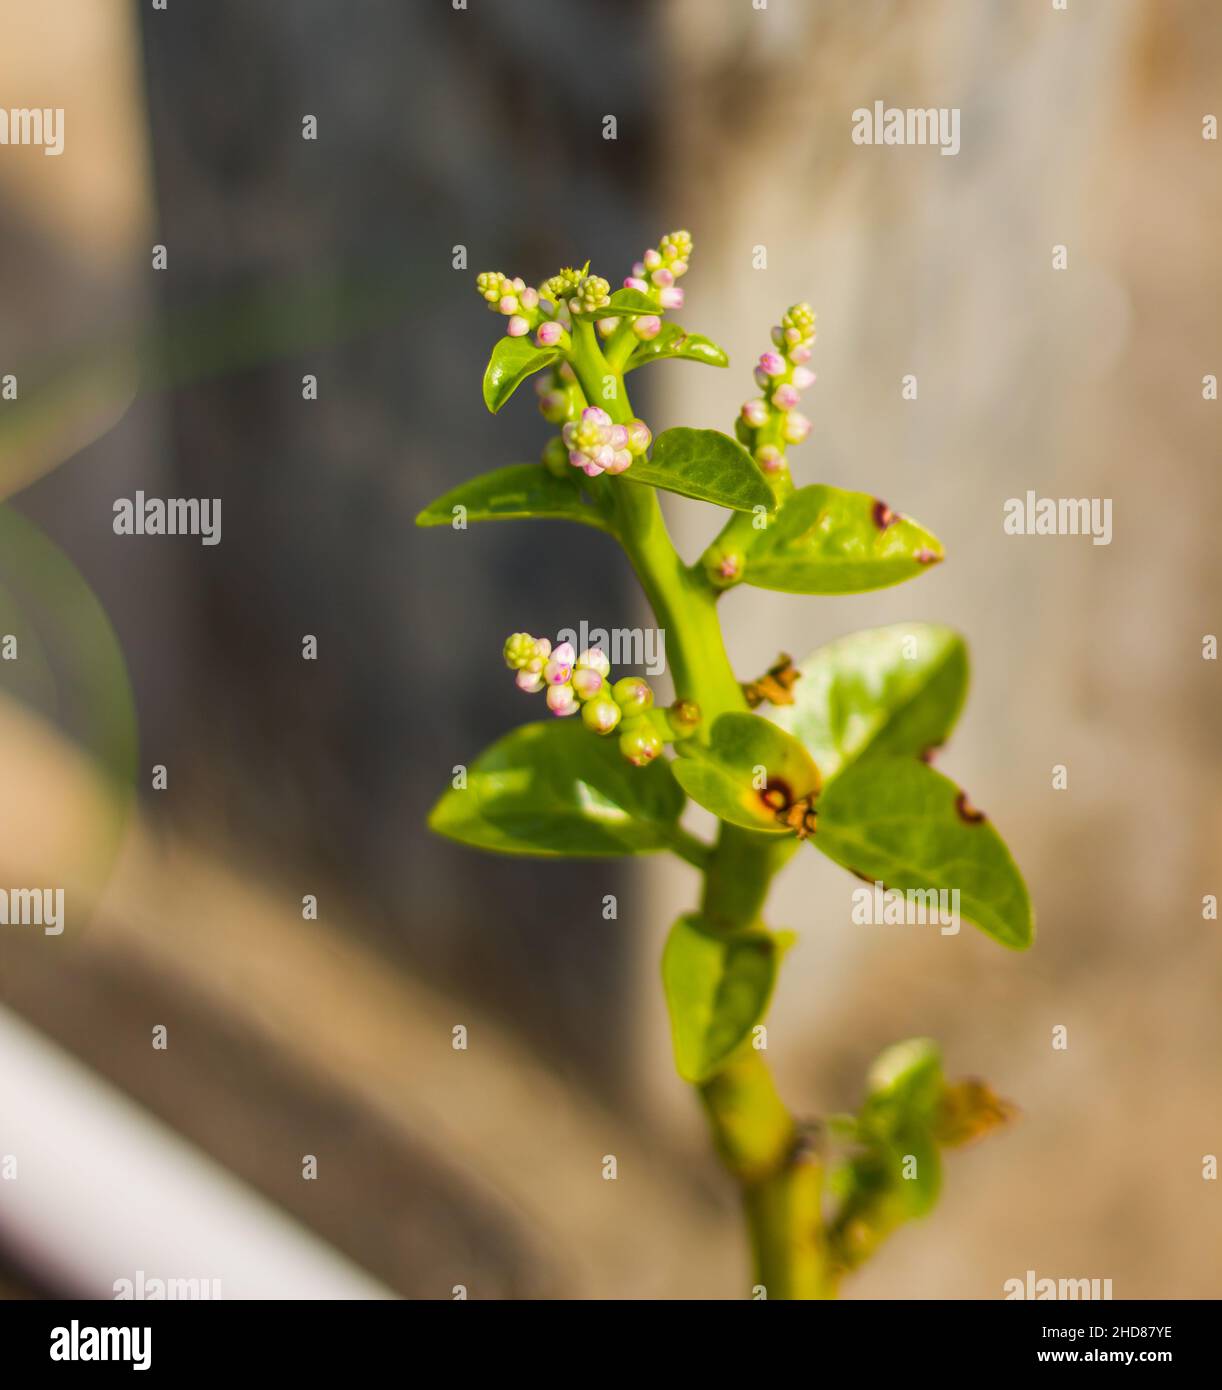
898	822
555	789
827	541
674	341
512	361
522	490
746	756
705	464
892	690
624	304
717	989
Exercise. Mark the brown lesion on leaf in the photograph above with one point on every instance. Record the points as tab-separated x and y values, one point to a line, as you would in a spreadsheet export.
925	556
968	1110
802	818
775	685
777	796
799	815
883	515
968	812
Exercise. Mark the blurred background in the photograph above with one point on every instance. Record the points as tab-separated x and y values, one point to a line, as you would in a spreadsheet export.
289	1038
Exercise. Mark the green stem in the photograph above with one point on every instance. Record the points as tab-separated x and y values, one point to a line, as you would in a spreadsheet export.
754	1133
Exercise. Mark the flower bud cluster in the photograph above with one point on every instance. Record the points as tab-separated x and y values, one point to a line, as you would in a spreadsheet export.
771	421
655	275
583	684
597	445
523	306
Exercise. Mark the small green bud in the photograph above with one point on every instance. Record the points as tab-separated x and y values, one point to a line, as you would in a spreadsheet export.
683	717
600	715
556	457
632	695
640	742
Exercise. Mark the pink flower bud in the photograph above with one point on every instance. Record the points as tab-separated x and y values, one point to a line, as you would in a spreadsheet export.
560	700
801	353
557	672
595	415
653	259
663	278
793	336
565	652
797	427
755	413
590	468
586	683
618	438
778	336
634	282
518	283
594	659
548	334
770	458
530	681
638	270
802	378
678	268
529	299
620	460
773	363
508	304
671	299
785	397
762	379
517	327
647	326
606	327
640	437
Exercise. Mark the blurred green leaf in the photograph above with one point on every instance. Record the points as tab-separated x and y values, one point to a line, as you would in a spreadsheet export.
512	361
823	540
554	789
522	490
749	773
674	341
898	822
893	690
704	464
717	989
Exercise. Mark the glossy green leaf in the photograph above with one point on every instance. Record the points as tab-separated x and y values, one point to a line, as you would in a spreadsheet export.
522	490
898	822
674	341
892	690
823	540
717	989
745	758
626	303
704	464
512	361
554	789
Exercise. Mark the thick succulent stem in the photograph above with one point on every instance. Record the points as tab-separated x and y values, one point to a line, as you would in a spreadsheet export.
780	1179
